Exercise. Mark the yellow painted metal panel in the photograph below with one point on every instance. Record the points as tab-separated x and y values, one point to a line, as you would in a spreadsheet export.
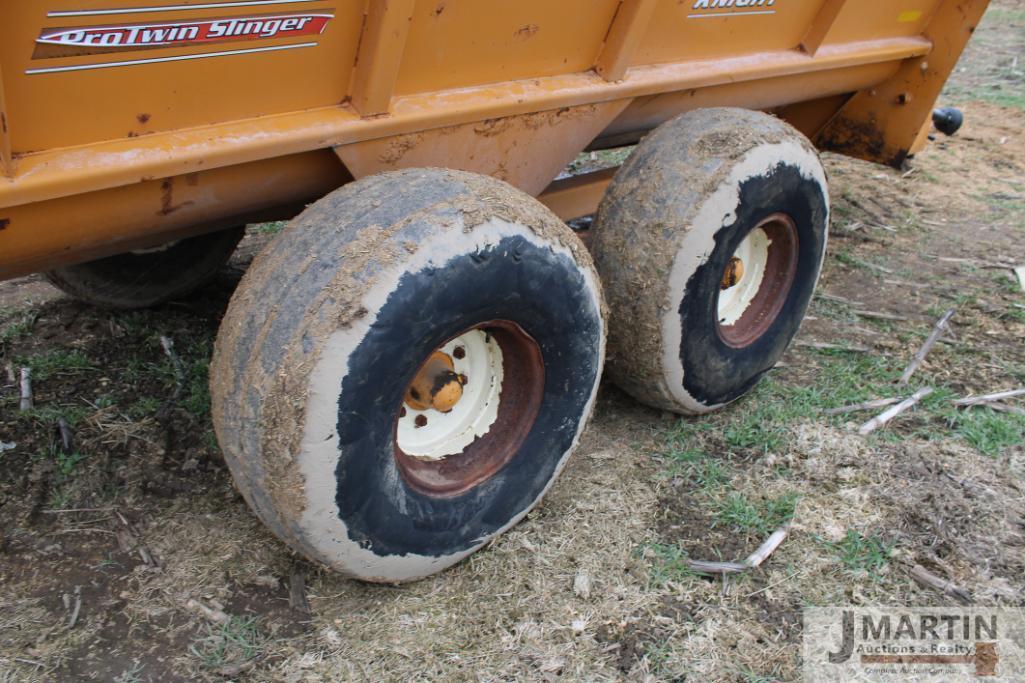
624	36
100	107
765	94
48	110
698	29
865	19
526	151
457	43
80	227
57	173
380	55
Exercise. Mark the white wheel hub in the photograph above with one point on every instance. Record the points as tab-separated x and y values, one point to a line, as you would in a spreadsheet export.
433	435
753	257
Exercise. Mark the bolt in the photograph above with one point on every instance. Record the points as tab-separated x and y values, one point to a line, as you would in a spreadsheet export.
459	352
463	379
402	411
420	421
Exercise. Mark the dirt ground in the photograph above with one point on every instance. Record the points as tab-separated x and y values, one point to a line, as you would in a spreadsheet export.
109	542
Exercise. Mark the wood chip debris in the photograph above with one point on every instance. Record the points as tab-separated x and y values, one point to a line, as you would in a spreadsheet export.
73	619
582	584
216	616
991	265
938	329
26	389
839	299
989	398
128	541
822	346
867	405
882	419
167	344
926	578
67	438
1004	408
876	315
297	591
753	560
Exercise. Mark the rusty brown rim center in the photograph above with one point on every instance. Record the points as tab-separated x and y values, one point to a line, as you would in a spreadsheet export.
780	270
521	393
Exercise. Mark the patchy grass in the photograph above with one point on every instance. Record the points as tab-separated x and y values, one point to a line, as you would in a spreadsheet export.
67	463
230	644
20	327
863	554
55	362
762	425
698	468
133	674
49	414
847	258
60	498
757	516
667	563
992	70
145	406
988	431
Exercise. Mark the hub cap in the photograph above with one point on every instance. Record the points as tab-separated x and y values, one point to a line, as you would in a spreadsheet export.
454	398
469	408
757	281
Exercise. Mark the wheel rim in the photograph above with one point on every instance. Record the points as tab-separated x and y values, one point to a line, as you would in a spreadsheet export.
469	408
757	280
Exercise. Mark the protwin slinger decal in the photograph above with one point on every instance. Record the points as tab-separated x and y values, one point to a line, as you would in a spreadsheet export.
730	8
87	40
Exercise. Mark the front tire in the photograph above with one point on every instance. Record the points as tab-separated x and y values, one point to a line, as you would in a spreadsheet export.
710	241
403	374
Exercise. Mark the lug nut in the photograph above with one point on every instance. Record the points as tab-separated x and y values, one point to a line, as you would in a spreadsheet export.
459	352
420	421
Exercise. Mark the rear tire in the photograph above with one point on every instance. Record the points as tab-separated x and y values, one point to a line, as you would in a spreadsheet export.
147	278
709	241
403	374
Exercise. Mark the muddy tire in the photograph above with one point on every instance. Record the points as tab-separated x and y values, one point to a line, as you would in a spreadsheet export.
147	278
403	374
709	241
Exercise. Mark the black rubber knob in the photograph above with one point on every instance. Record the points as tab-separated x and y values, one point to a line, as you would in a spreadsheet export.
948	120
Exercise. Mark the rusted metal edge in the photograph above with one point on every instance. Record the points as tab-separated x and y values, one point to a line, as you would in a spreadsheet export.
75	170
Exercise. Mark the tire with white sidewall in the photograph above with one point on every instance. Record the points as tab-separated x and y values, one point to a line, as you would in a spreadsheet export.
334	325
705	191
